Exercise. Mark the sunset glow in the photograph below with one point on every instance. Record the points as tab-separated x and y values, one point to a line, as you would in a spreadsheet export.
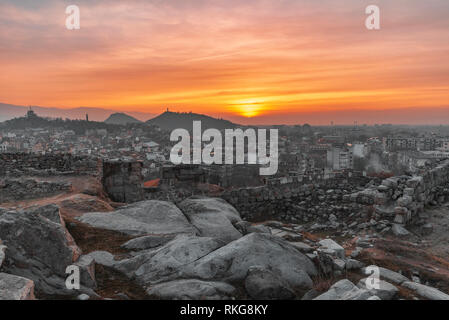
288	61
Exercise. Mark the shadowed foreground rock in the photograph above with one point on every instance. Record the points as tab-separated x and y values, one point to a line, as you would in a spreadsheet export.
39	247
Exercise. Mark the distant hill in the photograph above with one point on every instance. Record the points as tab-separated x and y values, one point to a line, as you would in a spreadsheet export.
173	120
10	111
121	118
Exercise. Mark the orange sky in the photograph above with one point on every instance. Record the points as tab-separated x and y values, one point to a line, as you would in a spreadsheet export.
283	61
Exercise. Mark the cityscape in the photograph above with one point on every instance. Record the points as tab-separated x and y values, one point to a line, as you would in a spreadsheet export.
223	150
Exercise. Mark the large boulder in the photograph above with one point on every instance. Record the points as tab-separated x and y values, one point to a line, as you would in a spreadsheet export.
142	218
165	263
262	283
213	217
426	291
344	290
39	247
231	262
15	288
192	289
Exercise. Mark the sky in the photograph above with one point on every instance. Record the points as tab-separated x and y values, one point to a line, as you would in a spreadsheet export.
250	61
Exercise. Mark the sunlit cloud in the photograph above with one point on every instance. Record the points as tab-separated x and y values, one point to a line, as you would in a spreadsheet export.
251	61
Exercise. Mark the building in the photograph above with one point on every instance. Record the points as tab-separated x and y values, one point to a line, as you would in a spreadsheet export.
340	158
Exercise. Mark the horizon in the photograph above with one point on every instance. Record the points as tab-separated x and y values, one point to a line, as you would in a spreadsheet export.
253	63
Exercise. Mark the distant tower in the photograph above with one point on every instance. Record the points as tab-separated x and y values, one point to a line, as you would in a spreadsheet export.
31	114
167	109
87	117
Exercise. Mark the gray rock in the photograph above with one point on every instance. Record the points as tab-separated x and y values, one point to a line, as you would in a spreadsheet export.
146	242
212	217
231	262
262	283
258	229
165	263
374	298
2	253
386	274
15	288
86	266
425	291
192	289
352	264
338	251
385	291
39	247
142	218
103	258
344	290
83	297
302	247
399	230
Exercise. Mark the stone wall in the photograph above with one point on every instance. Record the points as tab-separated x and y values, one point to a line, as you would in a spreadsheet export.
123	180
20	164
314	201
403	198
24	189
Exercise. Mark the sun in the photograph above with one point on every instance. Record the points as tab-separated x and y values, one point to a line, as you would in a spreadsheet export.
248	108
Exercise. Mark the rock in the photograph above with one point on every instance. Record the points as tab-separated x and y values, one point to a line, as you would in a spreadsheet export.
39	247
83	297
86	266
310	295
339	264
242	226
387	274
2	253
258	229
142	218
399	230
146	242
302	247
385	291
352	264
374	298
426	229
212	217
263	284
425	291
344	290
231	262
330	244
192	289
103	258
15	288
166	263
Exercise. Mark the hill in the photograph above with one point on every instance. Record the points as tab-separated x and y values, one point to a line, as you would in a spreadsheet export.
121	118
10	111
173	120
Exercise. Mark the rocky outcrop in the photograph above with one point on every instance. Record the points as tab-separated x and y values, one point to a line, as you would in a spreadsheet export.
39	247
142	218
212	217
232	262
